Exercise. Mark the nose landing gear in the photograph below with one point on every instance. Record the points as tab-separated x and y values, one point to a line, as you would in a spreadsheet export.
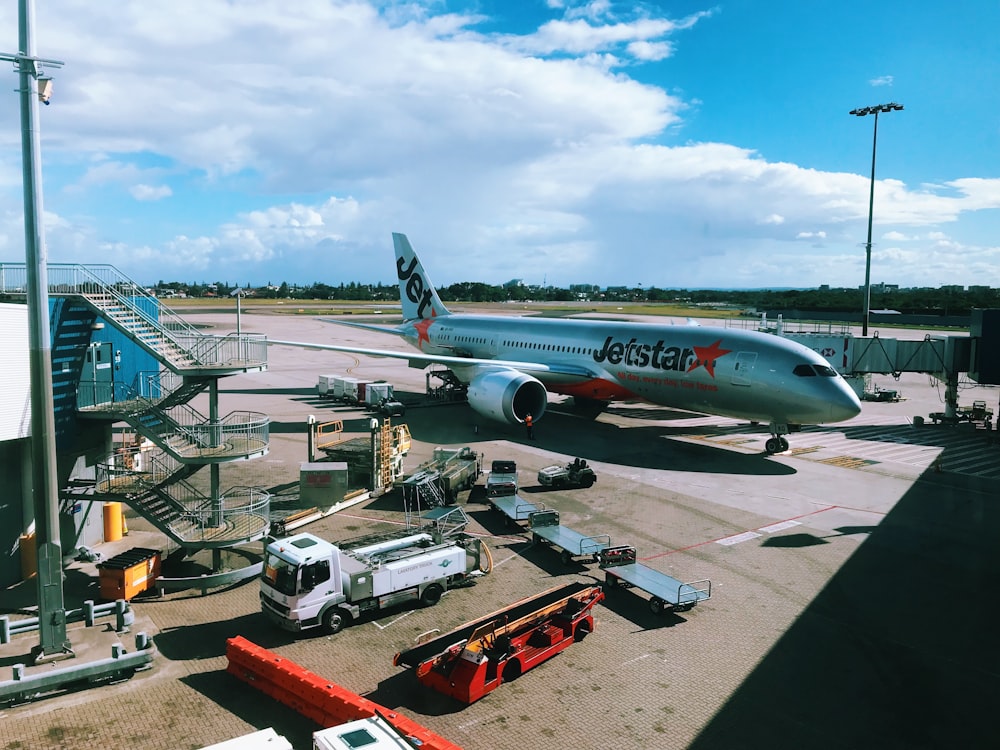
777	442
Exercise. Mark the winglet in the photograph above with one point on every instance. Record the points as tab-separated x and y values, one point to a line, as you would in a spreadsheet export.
416	293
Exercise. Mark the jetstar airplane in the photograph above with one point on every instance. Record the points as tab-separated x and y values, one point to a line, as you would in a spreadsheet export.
509	363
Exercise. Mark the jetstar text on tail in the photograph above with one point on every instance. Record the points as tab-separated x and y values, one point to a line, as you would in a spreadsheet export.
660	356
415	288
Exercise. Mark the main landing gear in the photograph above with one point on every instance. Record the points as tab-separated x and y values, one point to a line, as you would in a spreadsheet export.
777	442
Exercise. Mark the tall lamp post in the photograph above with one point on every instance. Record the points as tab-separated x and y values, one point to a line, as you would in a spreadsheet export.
861	112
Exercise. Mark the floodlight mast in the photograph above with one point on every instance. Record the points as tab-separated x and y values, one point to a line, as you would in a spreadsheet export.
53	641
861	112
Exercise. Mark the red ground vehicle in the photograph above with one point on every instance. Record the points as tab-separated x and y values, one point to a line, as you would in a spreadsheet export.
478	657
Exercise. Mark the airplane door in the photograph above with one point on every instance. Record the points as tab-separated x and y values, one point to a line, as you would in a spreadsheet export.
96	375
743	368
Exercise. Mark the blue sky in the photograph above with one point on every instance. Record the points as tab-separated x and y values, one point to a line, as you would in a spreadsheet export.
678	144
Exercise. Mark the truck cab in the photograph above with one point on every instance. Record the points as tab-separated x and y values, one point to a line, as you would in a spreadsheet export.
301	576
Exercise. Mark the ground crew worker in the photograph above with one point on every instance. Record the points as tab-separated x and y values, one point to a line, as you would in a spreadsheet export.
529	426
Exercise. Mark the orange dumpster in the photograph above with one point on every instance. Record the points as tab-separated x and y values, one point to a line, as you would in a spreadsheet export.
130	573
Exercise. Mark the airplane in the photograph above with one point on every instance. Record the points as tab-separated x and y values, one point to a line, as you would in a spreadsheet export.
510	364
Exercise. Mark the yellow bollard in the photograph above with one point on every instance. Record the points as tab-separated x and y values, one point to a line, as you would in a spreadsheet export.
114	522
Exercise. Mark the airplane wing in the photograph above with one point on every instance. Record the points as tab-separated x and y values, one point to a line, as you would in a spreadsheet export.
419	359
365	326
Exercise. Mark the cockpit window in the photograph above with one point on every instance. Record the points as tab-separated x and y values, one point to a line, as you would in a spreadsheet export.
808	371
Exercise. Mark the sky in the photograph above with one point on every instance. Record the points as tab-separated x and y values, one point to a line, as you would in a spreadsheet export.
674	144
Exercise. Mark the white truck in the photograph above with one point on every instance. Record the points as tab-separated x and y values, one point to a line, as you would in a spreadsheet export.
502	479
308	582
372	733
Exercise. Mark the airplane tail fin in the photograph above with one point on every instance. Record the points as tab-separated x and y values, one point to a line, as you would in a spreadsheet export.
416	293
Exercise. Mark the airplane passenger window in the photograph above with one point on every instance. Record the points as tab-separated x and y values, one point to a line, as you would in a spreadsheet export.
804	371
827	372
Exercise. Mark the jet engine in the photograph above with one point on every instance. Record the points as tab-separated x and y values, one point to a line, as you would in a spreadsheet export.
507	396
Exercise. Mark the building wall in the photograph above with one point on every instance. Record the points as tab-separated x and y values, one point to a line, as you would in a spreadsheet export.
80	443
15	375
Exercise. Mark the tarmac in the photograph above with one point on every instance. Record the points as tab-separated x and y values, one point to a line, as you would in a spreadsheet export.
852	582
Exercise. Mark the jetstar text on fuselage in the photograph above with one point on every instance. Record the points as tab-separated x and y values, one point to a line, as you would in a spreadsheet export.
659	356
416	290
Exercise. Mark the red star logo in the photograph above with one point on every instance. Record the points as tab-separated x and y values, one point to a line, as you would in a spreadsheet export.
705	356
422	328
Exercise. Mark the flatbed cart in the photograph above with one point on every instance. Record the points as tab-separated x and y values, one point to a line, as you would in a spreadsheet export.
544	525
478	657
515	507
668	594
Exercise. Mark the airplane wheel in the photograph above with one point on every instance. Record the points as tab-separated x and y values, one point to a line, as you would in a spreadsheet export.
772	446
783	444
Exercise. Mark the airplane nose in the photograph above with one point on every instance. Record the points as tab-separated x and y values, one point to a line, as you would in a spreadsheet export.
845	404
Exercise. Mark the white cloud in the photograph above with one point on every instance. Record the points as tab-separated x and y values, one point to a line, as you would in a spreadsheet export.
150	192
881	81
294	138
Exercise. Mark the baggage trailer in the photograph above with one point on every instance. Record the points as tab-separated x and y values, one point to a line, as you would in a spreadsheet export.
544	525
668	594
478	657
515	507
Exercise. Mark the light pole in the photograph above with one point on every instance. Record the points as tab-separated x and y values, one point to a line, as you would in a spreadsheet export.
861	112
36	87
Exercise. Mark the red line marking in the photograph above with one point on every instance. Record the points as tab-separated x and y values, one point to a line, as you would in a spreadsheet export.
727	536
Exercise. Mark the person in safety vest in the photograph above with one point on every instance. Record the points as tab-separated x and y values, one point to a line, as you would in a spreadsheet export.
530	427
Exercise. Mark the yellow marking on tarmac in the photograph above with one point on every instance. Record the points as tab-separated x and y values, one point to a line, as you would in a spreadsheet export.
847	462
801	451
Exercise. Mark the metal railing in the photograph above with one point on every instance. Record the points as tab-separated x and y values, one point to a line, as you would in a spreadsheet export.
240	512
238	429
95	282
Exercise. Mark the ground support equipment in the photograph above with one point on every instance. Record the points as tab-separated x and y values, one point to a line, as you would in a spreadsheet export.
668	594
478	657
515	507
545	526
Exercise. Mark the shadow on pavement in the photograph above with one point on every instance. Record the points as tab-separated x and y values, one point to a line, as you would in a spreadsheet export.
649	447
899	650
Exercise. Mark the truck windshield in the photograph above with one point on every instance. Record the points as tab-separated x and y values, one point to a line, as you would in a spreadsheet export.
280	574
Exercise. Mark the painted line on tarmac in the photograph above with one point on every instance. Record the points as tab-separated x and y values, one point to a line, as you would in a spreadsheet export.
741	537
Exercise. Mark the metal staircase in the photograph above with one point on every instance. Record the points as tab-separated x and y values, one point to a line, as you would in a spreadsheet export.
192	519
142	318
156	406
177	428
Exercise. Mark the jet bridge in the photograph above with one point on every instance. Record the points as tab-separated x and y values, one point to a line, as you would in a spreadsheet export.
942	356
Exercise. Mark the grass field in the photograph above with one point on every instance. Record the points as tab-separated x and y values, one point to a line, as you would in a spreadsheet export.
339	307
